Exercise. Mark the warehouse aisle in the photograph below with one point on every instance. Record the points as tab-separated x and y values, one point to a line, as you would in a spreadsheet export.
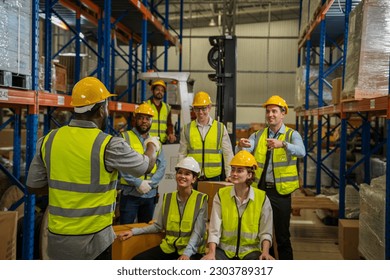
313	240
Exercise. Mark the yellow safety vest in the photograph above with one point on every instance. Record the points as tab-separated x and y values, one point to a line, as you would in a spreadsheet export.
284	165
239	236
178	228
82	192
207	152
159	123
132	139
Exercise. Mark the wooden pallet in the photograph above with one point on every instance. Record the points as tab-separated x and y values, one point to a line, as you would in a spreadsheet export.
312	202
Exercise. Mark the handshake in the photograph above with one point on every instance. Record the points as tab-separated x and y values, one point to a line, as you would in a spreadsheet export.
144	187
155	141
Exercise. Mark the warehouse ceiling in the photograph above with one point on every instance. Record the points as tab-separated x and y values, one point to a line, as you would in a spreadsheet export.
196	13
206	13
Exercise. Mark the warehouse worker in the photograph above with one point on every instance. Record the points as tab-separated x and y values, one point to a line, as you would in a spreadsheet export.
162	122
183	217
77	165
138	195
276	149
206	140
241	218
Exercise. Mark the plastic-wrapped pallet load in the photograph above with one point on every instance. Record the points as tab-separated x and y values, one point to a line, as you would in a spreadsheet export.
15	36
367	65
372	219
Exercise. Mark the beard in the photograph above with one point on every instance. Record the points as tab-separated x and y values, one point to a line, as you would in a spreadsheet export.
158	96
142	129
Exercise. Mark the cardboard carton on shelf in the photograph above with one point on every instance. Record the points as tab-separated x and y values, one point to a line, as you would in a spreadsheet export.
8	225
349	238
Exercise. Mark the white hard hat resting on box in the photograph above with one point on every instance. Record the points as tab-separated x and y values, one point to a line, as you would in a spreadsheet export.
188	163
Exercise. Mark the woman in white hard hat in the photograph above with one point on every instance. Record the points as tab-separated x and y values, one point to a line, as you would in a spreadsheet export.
241	218
182	215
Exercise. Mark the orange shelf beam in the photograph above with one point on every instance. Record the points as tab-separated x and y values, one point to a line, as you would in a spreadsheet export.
138	4
16	97
115	106
317	19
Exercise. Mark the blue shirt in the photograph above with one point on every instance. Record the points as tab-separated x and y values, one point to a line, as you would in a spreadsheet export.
135	182
295	148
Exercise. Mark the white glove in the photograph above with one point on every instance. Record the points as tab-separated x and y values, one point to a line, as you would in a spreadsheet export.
155	141
144	187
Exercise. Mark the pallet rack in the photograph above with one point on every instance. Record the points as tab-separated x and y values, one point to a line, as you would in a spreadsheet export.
365	109
138	25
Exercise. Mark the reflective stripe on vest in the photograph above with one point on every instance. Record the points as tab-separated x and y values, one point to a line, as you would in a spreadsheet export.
159	123
82	193
132	139
207	152
239	237
284	165
178	228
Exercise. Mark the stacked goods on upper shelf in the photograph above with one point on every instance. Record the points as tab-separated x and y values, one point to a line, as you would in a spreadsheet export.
367	65
309	8
15	37
300	87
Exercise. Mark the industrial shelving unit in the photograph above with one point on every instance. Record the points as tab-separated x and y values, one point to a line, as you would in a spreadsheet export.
138	26
366	109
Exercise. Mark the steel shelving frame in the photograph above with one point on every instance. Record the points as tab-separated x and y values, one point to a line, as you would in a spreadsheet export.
99	14
366	109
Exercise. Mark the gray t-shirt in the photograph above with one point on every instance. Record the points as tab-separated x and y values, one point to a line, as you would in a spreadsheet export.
118	156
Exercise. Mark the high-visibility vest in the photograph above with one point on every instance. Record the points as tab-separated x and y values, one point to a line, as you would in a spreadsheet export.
178	228
239	236
207	152
284	166
132	139
159	123
82	193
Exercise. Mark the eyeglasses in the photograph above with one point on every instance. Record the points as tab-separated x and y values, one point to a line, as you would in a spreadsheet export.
198	109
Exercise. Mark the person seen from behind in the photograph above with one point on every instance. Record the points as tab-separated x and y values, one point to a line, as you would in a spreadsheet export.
77	165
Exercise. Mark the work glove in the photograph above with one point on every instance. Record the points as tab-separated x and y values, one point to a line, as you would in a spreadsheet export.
155	141
144	187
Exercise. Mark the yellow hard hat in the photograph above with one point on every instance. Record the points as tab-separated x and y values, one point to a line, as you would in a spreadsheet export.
145	109
88	91
244	158
276	100
159	83
201	99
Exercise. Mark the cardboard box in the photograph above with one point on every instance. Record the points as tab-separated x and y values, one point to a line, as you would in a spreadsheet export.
61	81
349	239
211	188
126	250
336	90
8	225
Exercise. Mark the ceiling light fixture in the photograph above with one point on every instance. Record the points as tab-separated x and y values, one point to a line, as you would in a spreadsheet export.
212	22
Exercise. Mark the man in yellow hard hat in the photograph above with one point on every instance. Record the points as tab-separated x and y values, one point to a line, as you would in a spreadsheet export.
162	122
276	149
139	194
207	141
78	165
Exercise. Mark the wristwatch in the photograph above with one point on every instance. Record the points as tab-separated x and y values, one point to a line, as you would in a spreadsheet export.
284	143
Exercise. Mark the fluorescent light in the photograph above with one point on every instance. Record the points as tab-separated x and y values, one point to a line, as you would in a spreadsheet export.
56	21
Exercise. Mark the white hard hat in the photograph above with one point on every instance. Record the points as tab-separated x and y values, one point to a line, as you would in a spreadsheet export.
188	163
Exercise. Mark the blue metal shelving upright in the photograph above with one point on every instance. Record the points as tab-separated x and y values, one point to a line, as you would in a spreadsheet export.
106	19
344	111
